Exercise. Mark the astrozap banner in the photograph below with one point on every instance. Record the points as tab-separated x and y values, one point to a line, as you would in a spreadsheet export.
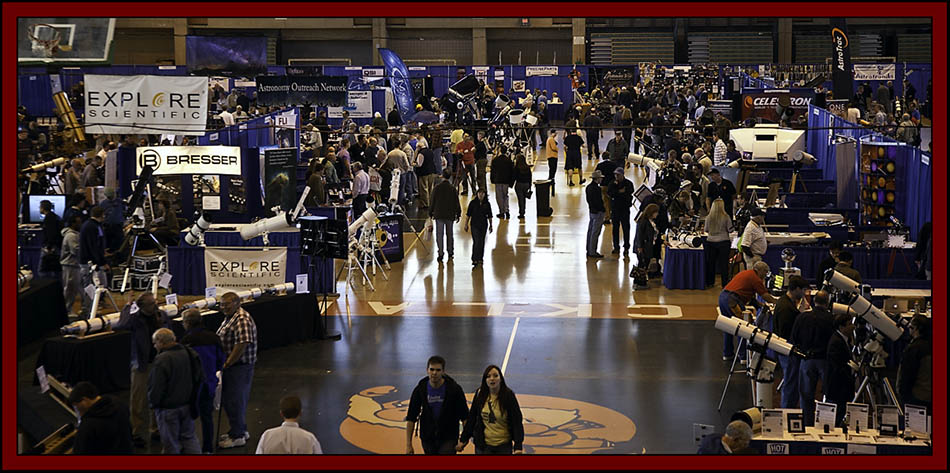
146	104
237	269
301	90
841	73
399	81
172	160
280	167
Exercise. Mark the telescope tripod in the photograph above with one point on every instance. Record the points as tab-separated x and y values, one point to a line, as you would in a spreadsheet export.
133	237
875	385
760	369
398	209
97	297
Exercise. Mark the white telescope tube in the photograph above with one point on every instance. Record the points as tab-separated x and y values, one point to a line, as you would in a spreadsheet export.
281	221
103	322
394	187
754	335
639	160
368	216
877	318
201	225
45	165
285	287
205	303
842	282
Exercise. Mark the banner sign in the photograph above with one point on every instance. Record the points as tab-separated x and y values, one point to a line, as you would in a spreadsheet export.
237	269
399	81
618	76
304	70
373	75
721	106
838	107
146	104
301	90
841	72
540	71
764	103
358	102
224	82
280	167
177	160
875	71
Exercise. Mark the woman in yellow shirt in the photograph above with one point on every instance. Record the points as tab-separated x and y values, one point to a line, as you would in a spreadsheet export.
550	151
495	419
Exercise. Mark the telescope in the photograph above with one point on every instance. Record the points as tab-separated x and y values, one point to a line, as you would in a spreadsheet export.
394	187
861	307
105	322
281	221
198	229
280	288
756	336
67	115
45	165
368	216
205	303
138	194
801	157
639	160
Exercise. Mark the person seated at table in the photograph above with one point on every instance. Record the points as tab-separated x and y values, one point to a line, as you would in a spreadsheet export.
734	442
681	209
165	225
834	249
845	260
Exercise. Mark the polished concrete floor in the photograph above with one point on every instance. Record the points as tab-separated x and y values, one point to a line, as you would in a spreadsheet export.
597	366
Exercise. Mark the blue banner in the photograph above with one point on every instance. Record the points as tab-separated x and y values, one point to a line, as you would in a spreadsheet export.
399	81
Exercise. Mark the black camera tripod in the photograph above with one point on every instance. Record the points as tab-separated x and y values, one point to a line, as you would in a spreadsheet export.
132	237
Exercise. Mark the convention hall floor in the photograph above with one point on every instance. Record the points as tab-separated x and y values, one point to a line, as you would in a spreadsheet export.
598	367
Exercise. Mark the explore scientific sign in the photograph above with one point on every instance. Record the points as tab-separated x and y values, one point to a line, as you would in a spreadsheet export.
145	104
177	160
301	90
244	268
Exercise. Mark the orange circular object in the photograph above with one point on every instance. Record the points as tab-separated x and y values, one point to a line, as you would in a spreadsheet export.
880	152
881	182
890	167
881	212
890	197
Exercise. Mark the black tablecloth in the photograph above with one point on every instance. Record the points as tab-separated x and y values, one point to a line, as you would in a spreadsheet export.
102	360
39	309
280	320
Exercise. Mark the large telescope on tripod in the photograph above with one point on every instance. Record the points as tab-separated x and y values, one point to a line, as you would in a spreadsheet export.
862	307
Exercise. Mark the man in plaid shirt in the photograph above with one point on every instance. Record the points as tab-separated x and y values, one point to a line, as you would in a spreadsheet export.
238	335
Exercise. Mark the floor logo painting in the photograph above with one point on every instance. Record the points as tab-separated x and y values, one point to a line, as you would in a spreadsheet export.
552	425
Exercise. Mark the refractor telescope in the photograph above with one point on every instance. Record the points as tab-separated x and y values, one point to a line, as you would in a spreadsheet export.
45	165
862	307
105	322
757	336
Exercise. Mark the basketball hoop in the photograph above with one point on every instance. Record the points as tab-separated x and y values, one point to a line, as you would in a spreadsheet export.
49	45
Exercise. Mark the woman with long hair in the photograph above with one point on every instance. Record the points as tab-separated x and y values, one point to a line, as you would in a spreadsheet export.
522	182
495	420
718	241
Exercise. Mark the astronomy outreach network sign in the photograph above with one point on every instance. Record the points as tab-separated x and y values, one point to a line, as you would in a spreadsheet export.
176	160
146	104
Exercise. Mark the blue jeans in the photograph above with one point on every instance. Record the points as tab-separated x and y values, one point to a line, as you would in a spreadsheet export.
726	301
811	372
235	390
177	430
790	373
594	227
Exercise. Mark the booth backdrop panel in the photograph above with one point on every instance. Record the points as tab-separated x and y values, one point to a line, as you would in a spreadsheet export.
684	269
40	309
872	263
35	93
799	216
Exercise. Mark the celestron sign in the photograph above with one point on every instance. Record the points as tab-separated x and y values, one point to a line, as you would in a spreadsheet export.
173	160
145	104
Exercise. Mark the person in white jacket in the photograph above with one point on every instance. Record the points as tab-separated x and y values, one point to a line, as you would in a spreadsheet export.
69	260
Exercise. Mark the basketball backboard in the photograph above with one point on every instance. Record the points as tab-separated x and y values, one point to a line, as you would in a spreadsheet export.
64	40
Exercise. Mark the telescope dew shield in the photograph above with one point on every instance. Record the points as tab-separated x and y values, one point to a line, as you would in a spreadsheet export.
66	113
753	334
842	282
874	316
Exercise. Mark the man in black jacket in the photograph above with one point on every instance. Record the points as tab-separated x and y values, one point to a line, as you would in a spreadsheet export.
503	177
810	333
620	192
442	404
595	204
92	254
784	315
105	428
839	378
445	210
173	384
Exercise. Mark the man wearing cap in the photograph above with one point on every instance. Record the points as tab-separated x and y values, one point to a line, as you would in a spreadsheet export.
595	203
754	244
621	198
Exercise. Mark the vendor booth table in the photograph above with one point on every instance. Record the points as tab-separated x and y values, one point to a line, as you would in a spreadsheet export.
40	309
103	359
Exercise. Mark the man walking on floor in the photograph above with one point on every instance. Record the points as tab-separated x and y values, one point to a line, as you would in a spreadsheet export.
595	203
445	210
438	404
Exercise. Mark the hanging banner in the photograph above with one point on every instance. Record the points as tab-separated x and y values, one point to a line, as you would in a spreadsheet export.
177	160
481	73
238	269
146	104
301	90
358	102
875	71
399	81
280	167
224	82
720	106
765	103
304	70
841	74
540	71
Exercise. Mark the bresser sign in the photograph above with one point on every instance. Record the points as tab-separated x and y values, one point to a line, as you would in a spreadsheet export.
175	160
146	104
